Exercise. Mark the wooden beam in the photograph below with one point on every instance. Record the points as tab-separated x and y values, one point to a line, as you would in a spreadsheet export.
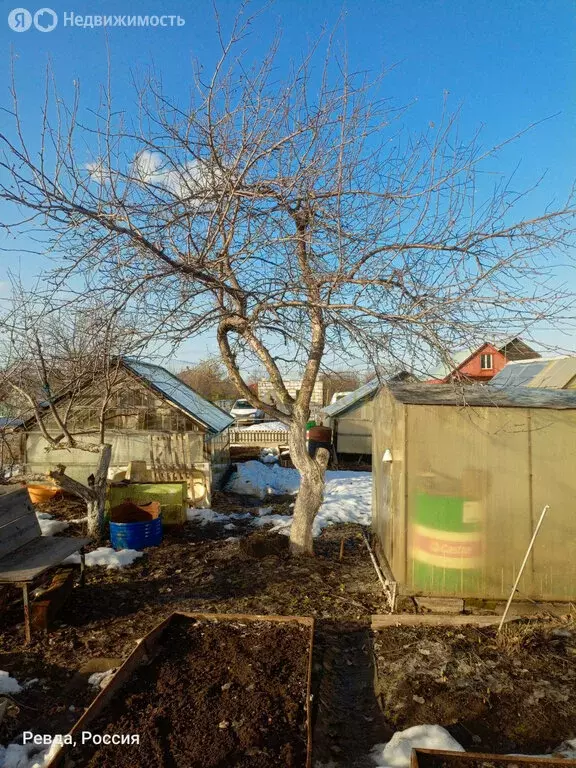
382	621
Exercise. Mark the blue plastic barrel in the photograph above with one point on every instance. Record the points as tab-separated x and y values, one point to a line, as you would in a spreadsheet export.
136	535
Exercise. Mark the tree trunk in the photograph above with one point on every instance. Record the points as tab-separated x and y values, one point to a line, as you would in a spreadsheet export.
311	493
94	494
96	513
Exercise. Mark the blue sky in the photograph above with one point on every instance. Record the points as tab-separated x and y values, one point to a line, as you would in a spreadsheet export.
508	63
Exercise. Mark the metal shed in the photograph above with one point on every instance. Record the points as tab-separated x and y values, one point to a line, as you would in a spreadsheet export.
460	478
351	420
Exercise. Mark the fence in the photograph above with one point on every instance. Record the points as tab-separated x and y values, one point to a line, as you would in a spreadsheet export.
258	437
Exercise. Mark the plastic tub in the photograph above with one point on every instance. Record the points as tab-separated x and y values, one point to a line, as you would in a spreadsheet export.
136	535
42	493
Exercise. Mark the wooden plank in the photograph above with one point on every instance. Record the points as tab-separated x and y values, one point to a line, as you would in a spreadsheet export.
19	532
45	606
422	758
36	557
14	503
150	646
441	604
381	621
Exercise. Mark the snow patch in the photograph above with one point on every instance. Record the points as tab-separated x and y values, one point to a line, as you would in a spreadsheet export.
396	753
253	478
8	684
48	525
27	755
107	557
205	516
101	679
265	426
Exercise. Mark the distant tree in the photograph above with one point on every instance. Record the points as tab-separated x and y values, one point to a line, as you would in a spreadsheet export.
294	217
210	379
340	381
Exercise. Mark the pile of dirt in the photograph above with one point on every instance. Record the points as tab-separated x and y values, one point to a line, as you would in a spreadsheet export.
218	693
513	692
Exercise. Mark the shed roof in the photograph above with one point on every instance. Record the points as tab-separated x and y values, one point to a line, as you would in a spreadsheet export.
519	373
179	393
346	402
552	373
484	396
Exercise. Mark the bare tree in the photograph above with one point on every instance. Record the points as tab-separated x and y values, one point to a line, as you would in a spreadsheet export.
210	379
296	217
49	359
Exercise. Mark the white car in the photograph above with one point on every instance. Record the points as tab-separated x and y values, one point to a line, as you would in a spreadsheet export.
338	396
242	410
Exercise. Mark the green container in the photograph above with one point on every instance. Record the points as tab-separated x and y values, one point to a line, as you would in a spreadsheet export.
447	545
173	498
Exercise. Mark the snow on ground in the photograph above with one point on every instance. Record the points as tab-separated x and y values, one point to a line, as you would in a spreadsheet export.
265	426
27	755
347	496
205	516
106	556
396	753
48	525
256	479
101	679
8	684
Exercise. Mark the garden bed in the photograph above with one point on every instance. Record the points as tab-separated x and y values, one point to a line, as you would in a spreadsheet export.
513	692
431	758
208	690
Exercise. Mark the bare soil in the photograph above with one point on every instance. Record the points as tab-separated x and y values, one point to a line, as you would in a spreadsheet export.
513	692
196	568
218	694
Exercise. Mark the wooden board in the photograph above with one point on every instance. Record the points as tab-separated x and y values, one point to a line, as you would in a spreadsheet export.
45	607
36	557
19	532
14	503
149	646
426	758
381	621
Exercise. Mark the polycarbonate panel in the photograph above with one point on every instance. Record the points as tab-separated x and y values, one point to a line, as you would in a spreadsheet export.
518	374
468	505
181	395
554	461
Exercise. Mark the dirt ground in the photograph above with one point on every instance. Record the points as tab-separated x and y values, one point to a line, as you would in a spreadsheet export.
224	693
515	693
197	568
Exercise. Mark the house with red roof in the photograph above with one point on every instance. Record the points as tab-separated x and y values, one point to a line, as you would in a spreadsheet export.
480	365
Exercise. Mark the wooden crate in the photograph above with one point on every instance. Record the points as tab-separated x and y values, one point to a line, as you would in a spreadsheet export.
147	649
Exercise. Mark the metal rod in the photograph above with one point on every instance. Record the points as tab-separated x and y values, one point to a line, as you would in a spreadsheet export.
521	571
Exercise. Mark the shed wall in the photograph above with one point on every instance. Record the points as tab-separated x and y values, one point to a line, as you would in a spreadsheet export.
476	482
354	429
126	447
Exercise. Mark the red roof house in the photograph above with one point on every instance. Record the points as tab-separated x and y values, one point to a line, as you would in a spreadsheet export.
483	363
